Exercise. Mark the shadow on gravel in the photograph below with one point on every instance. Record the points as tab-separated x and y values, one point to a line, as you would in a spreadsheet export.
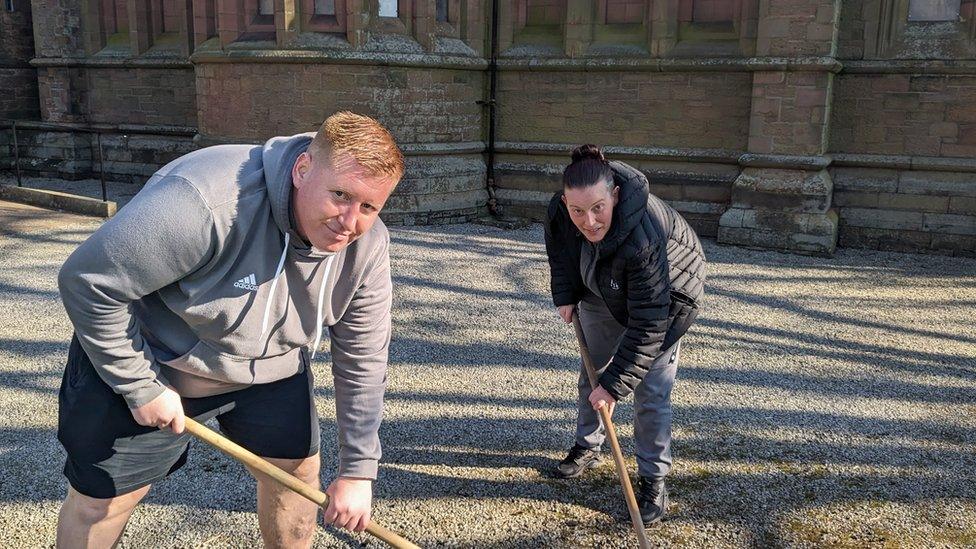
875	387
420	352
30	349
820	316
869	355
471	292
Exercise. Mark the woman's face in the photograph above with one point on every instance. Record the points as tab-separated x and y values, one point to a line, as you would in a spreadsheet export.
591	209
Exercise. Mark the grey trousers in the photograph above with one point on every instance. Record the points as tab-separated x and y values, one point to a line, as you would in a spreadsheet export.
652	398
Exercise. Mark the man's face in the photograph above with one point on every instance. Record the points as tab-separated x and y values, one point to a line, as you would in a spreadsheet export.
335	205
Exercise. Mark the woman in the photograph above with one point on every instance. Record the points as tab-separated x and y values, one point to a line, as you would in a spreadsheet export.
636	270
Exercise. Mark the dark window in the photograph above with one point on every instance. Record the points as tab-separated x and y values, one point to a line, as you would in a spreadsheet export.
623	11
543	12
325	7
933	10
115	17
442	14
388	8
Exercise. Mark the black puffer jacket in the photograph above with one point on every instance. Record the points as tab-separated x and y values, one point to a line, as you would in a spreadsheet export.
650	272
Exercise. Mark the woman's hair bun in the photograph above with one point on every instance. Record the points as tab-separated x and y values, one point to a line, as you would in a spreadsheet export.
588	151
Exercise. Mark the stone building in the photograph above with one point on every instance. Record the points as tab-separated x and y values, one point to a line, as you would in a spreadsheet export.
787	124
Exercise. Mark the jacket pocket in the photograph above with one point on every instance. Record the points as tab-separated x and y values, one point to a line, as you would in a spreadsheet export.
682	314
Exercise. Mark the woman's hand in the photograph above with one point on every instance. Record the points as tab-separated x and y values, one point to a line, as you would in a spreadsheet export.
600	398
566	312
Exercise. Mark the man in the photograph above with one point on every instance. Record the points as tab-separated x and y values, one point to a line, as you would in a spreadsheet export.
205	296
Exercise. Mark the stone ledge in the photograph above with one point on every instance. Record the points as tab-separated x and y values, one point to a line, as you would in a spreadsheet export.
905	162
37	125
784	161
909	66
14	64
59	201
342	57
112	63
723	156
722	64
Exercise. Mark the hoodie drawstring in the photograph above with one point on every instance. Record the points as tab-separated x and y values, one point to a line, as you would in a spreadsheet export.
318	309
274	284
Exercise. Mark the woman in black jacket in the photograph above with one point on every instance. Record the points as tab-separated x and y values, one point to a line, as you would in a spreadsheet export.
636	271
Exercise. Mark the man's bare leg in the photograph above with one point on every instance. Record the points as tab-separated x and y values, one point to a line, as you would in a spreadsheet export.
95	523
287	519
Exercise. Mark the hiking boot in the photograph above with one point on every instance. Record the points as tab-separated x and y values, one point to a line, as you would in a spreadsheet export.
579	459
652	499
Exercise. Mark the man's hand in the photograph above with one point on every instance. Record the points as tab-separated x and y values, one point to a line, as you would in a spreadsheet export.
164	411
350	503
600	398
566	312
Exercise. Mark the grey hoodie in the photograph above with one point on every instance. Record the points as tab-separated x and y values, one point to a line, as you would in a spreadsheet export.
201	283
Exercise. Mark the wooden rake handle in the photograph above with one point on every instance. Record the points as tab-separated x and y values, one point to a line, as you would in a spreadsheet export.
618	456
252	460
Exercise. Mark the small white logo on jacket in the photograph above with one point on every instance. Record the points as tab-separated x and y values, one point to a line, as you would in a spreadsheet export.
247	283
613	285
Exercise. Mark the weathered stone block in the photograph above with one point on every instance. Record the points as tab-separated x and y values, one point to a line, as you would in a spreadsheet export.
961	245
950	224
787	190
882	219
937	183
883	239
962	205
855	199
920	203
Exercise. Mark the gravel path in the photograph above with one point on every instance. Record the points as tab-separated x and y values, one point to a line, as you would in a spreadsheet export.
820	402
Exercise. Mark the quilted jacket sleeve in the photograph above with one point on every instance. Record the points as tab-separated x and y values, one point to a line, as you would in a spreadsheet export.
560	277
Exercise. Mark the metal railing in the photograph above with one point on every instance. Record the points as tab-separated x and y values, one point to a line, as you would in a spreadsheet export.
57	127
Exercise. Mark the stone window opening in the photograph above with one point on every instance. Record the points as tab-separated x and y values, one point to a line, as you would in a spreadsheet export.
205	22
393	17
621	22
540	22
115	23
621	12
324	15
164	23
922	29
448	18
10	6
258	20
389	8
934	10
704	28
708	19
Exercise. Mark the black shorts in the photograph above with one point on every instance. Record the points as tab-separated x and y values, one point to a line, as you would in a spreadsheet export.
109	454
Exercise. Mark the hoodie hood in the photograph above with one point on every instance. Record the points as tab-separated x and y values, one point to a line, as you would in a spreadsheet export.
279	155
630	208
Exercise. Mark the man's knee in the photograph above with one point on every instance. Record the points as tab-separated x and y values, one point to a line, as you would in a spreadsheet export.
306	469
89	510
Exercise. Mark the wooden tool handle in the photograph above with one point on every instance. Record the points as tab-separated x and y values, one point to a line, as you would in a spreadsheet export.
618	456
254	461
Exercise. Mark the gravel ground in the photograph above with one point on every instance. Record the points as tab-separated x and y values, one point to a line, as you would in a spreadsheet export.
820	402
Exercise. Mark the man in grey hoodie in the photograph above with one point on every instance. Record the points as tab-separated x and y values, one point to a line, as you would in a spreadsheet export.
206	296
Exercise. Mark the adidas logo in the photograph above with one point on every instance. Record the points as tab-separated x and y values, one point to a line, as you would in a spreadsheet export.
247	283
